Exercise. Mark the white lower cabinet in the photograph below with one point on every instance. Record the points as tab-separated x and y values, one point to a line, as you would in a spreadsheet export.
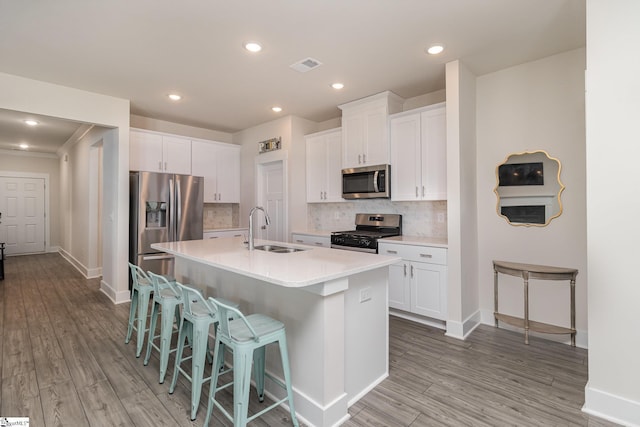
417	283
311	240
239	232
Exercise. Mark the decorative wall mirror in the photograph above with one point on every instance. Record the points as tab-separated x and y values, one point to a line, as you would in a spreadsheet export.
528	188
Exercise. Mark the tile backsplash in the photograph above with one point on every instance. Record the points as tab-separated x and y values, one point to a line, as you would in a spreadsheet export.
221	215
425	219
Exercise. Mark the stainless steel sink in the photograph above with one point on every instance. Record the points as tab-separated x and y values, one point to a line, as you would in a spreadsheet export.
278	249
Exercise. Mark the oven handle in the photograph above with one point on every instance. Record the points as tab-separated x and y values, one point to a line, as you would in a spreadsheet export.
353	248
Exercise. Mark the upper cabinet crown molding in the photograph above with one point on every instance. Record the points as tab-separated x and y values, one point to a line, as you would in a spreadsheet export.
365	129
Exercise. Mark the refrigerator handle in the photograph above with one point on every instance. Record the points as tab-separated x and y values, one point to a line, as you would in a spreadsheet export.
178	208
172	220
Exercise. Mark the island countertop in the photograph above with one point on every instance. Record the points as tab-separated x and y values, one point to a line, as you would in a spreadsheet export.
311	266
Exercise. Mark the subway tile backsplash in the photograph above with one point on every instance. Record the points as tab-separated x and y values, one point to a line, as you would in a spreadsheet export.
425	219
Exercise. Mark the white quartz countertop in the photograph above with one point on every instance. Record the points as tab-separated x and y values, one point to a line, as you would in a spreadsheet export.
440	242
295	270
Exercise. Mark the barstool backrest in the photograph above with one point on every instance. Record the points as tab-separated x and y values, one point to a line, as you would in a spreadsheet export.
194	302
226	314
160	283
138	276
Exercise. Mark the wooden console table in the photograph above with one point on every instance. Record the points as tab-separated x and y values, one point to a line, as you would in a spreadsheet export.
531	271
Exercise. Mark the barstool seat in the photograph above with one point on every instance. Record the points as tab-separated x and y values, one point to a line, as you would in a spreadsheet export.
247	337
197	317
167	299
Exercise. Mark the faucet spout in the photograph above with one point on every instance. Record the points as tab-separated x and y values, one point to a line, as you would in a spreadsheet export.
266	219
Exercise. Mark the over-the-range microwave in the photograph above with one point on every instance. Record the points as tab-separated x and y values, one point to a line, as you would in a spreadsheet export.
367	182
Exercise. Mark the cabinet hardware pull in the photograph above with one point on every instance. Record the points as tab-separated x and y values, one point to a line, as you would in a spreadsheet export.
318	243
416	191
364	158
405	270
165	165
426	255
412	271
423	191
359	157
160	165
299	241
391	252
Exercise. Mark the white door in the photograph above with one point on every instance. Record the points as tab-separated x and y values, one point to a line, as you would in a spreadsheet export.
272	199
22	208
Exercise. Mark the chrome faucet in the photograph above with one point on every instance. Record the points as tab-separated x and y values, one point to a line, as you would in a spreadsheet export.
266	219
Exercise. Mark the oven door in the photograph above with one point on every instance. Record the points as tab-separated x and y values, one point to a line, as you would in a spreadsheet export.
366	183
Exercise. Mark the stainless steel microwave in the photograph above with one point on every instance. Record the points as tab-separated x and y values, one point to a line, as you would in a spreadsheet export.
368	182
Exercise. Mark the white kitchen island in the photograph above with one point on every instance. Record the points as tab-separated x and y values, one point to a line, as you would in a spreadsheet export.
333	304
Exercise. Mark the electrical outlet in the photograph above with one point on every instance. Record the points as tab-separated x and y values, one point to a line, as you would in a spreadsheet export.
365	294
440	217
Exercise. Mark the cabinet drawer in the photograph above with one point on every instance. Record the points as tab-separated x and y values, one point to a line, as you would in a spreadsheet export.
428	254
304	239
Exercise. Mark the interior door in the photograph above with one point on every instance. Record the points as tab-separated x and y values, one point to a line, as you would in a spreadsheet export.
272	198
22	226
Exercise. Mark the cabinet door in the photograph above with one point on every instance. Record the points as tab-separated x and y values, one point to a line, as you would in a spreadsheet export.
353	137
405	157
376	141
304	239
228	174
399	286
145	151
333	169
428	290
316	169
176	153
434	154
203	163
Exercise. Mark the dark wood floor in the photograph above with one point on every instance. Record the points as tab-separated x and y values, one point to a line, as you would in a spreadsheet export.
64	363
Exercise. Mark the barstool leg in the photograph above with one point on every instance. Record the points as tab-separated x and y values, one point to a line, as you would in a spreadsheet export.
181	337
152	331
218	361
258	371
166	331
287	377
241	383
143	310
132	315
198	355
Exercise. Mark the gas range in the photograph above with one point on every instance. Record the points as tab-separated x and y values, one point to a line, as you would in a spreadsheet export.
369	228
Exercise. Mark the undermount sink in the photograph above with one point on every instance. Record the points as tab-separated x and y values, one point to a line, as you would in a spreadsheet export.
278	249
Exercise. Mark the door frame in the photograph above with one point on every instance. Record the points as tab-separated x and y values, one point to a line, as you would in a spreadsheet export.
262	160
47	214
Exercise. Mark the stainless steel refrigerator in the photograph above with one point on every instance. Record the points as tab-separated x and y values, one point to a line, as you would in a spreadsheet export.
163	208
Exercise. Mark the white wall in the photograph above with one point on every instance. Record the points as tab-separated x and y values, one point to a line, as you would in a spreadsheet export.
22	94
613	108
537	105
17	161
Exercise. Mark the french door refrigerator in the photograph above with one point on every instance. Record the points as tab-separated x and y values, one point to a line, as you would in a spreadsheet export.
163	208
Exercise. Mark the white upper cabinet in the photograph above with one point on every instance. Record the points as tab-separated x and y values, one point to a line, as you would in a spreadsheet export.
324	166
219	164
419	154
365	133
155	152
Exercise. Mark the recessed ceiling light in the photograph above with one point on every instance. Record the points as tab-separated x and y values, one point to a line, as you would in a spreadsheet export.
24	146
435	49
253	47
276	109
31	122
337	86
174	97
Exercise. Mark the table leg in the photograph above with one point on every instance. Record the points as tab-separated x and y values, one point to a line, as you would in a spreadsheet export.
526	307
495	296
573	312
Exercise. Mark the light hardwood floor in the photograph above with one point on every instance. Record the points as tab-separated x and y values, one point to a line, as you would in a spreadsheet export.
64	363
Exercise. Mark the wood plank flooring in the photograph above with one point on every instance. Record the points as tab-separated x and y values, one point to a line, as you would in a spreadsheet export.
63	362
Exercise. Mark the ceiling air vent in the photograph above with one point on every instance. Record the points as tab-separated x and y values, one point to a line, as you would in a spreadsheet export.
306	65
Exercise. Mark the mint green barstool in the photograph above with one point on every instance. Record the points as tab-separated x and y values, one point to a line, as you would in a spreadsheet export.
247	337
141	290
197	317
167	299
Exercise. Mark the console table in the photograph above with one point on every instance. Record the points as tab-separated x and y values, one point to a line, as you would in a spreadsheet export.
542	272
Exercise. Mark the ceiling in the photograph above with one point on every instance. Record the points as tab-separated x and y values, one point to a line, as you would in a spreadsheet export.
143	50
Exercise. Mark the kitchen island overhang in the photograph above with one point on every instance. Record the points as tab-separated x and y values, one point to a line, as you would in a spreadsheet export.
333	304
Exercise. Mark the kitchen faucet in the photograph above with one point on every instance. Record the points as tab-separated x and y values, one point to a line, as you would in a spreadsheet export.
266	218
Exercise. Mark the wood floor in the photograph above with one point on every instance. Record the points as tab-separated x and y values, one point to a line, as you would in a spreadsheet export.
64	363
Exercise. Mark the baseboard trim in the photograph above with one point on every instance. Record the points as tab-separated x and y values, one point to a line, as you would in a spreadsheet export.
418	319
461	330
611	407
75	263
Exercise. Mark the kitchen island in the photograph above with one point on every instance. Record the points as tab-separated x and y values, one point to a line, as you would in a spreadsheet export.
333	304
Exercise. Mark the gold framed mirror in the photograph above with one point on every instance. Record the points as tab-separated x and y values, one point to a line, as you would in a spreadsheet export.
528	188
